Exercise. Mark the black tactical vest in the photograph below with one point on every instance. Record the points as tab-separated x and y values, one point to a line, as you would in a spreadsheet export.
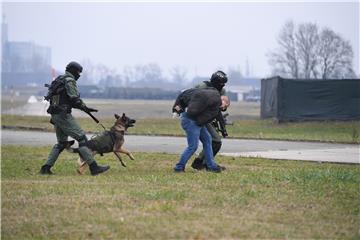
59	100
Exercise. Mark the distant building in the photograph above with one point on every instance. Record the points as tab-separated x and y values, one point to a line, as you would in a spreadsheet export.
23	63
246	88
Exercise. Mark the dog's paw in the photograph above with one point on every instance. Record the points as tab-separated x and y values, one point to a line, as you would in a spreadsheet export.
81	162
79	172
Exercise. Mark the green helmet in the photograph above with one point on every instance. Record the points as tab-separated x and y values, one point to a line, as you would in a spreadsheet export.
74	68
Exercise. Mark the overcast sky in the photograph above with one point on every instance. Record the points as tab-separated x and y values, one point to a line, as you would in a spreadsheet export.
201	37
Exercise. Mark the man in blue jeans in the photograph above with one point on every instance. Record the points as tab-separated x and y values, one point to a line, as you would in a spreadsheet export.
197	107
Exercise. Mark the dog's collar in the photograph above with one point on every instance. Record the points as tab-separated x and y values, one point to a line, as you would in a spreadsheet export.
116	129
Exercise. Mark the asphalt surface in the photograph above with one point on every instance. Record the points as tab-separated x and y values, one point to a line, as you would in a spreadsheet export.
287	150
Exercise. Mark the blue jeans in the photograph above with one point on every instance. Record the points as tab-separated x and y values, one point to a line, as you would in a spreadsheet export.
193	134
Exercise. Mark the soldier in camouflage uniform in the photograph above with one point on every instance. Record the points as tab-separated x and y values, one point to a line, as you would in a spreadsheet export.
63	96
217	80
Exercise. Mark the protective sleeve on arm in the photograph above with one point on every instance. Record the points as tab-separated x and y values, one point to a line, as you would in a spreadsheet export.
196	105
178	103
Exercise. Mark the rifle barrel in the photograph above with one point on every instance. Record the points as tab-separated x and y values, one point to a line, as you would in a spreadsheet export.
93	117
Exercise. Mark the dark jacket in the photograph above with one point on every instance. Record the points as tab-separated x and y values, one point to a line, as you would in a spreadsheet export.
201	104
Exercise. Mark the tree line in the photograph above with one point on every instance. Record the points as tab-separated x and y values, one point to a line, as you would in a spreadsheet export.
305	51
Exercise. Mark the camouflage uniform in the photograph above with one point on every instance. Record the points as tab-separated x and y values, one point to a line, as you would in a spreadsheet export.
62	101
65	125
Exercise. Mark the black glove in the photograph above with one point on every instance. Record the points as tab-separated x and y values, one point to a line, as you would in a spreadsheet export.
87	109
77	103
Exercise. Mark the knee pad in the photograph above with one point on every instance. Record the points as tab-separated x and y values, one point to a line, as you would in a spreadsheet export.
216	147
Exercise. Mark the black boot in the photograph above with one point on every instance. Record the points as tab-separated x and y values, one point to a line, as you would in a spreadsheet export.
198	164
222	168
217	169
96	169
45	170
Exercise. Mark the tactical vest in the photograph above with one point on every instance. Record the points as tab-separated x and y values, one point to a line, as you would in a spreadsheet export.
103	143
59	100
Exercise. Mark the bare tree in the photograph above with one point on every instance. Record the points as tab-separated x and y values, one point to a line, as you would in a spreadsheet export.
94	73
128	75
307	39
148	73
335	56
153	73
285	59
88	75
305	53
178	75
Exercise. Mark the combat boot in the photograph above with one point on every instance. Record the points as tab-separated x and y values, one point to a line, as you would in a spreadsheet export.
198	164
222	168
45	170
217	169
96	169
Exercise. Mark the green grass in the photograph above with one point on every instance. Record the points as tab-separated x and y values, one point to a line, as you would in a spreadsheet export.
253	198
327	131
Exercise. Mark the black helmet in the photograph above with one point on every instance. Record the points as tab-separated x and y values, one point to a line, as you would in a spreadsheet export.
218	79
74	68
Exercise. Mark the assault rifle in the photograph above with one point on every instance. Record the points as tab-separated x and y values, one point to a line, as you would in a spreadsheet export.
220	123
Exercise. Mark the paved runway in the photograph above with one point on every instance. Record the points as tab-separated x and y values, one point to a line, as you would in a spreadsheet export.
308	151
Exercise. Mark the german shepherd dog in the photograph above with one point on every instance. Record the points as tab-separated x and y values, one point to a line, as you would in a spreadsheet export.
108	141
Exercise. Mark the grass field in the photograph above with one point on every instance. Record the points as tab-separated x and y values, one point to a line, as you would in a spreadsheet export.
331	131
252	199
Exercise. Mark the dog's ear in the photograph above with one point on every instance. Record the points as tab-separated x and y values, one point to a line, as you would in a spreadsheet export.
116	116
123	116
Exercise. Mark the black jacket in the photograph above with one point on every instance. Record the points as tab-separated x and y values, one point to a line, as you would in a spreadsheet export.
201	104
